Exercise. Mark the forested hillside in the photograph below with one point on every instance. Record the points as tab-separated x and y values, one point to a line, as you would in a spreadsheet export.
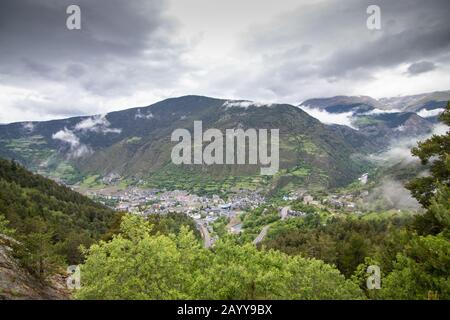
178	267
49	220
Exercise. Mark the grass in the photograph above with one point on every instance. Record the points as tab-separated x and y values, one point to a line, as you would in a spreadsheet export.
92	182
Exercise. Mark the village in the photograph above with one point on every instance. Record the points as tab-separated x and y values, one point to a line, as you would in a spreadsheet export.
204	210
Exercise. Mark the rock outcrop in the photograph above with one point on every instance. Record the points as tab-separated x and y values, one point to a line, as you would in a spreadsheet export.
18	284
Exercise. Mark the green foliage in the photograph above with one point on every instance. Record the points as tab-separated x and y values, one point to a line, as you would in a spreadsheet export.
4	229
172	223
220	226
345	242
300	206
422	269
421	272
260	217
51	221
437	217
434	152
139	265
360	277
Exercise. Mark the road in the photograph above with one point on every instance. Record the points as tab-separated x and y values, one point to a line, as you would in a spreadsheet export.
261	235
283	213
205	235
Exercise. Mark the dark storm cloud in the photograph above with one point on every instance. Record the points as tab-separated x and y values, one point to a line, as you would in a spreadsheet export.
109	27
420	67
417	40
131	53
118	39
340	46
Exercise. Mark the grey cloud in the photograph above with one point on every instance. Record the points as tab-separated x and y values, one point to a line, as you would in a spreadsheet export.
109	28
118	40
129	52
420	67
390	50
329	42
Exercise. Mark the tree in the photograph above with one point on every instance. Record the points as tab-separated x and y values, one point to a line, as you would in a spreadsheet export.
4	229
437	217
435	152
421	272
133	265
137	264
37	252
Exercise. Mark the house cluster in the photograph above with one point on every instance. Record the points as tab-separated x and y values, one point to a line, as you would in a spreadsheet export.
246	200
295	214
345	202
308	199
111	179
303	196
205	210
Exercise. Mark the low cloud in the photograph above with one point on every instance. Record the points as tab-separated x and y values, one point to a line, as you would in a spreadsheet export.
98	124
28	127
424	113
245	104
77	149
392	192
345	118
140	115
399	150
394	195
382	111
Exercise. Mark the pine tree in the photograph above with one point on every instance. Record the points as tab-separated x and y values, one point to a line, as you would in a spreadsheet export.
435	152
433	191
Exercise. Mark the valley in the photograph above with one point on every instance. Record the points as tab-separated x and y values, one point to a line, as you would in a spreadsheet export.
133	147
338	204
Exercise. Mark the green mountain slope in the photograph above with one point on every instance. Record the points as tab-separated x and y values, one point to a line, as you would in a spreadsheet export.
135	145
50	221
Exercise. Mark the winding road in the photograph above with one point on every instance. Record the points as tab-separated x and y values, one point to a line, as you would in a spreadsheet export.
283	214
205	235
261	235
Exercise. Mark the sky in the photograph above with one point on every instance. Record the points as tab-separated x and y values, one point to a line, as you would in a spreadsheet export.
135	53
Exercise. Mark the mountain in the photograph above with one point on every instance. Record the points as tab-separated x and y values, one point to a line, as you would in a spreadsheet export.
359	104
340	104
386	119
384	128
134	146
417	103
